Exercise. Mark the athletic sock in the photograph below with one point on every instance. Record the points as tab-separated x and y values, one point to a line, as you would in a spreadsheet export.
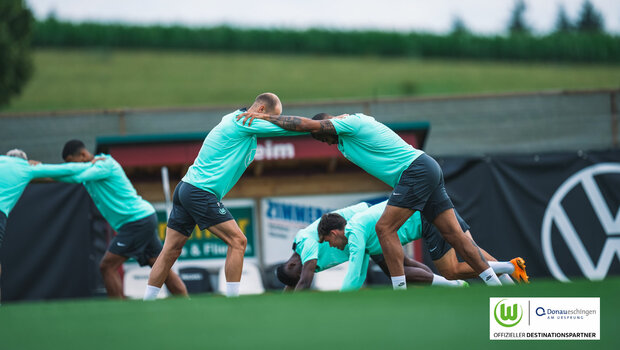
505	279
151	293
441	281
490	278
399	282
232	289
502	266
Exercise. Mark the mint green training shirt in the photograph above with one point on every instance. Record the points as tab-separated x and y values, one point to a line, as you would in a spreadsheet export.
227	151
308	247
374	147
363	241
16	173
111	191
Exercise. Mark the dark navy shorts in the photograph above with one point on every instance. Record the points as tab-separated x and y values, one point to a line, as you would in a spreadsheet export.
138	239
434	241
2	227
421	188
192	206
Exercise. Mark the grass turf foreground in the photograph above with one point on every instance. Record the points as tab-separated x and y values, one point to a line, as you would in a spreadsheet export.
423	318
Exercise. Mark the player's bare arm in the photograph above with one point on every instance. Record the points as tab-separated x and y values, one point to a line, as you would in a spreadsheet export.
307	275
292	123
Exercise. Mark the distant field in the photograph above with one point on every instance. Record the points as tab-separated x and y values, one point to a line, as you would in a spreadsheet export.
420	318
86	79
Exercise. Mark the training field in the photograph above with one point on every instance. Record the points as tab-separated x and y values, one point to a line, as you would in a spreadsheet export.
104	79
419	318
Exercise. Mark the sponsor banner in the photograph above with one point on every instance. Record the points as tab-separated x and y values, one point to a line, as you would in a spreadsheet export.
204	244
559	211
544	318
282	217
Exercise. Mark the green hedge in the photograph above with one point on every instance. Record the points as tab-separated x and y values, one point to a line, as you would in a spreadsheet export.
572	47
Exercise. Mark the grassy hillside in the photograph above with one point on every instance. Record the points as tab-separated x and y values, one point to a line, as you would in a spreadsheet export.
419	318
79	79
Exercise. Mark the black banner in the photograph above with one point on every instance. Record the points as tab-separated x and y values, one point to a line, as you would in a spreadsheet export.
558	211
54	241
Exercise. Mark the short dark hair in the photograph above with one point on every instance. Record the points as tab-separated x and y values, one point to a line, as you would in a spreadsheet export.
269	100
284	277
72	147
321	116
330	221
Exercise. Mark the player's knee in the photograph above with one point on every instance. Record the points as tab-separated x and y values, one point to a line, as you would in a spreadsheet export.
382	229
239	242
105	266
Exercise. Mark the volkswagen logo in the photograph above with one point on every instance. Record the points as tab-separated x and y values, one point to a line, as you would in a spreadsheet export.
556	215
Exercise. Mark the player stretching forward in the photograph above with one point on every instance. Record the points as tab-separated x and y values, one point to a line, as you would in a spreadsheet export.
416	178
225	154
309	256
132	217
16	173
357	234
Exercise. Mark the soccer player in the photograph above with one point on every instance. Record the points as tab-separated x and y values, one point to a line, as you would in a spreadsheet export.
15	174
132	217
417	180
298	271
225	154
310	255
358	237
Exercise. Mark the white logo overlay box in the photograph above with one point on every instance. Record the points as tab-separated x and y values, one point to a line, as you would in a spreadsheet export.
544	318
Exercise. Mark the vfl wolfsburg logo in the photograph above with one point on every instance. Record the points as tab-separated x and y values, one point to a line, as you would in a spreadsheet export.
508	315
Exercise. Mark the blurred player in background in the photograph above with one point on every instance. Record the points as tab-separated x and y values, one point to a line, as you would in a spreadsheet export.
225	154
417	180
132	217
15	174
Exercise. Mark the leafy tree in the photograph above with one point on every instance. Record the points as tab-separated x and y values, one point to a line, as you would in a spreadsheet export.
590	20
563	24
16	23
458	26
517	24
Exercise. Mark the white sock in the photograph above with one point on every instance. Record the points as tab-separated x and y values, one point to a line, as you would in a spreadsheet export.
232	289
490	278
399	282
151	292
441	281
505	279
502	266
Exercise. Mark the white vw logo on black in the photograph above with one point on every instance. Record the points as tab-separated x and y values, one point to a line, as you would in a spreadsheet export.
555	214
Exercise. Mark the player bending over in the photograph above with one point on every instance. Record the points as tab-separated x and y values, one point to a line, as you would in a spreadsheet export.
417	180
15	174
225	154
132	217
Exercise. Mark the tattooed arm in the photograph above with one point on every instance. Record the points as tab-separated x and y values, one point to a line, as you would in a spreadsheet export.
292	123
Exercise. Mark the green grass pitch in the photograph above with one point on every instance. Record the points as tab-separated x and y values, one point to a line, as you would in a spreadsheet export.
419	318
97	79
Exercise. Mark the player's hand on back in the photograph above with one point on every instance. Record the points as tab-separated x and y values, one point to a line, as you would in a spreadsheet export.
97	159
250	116
34	162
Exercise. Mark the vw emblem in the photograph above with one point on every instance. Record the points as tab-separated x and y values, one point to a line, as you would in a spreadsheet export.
556	215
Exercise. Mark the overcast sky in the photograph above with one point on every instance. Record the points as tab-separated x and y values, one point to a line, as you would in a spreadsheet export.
480	16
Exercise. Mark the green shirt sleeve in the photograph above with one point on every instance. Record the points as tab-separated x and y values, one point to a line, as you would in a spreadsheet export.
348	125
100	170
358	263
56	170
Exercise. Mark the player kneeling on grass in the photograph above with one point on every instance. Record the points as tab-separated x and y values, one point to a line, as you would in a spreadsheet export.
297	268
132	217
